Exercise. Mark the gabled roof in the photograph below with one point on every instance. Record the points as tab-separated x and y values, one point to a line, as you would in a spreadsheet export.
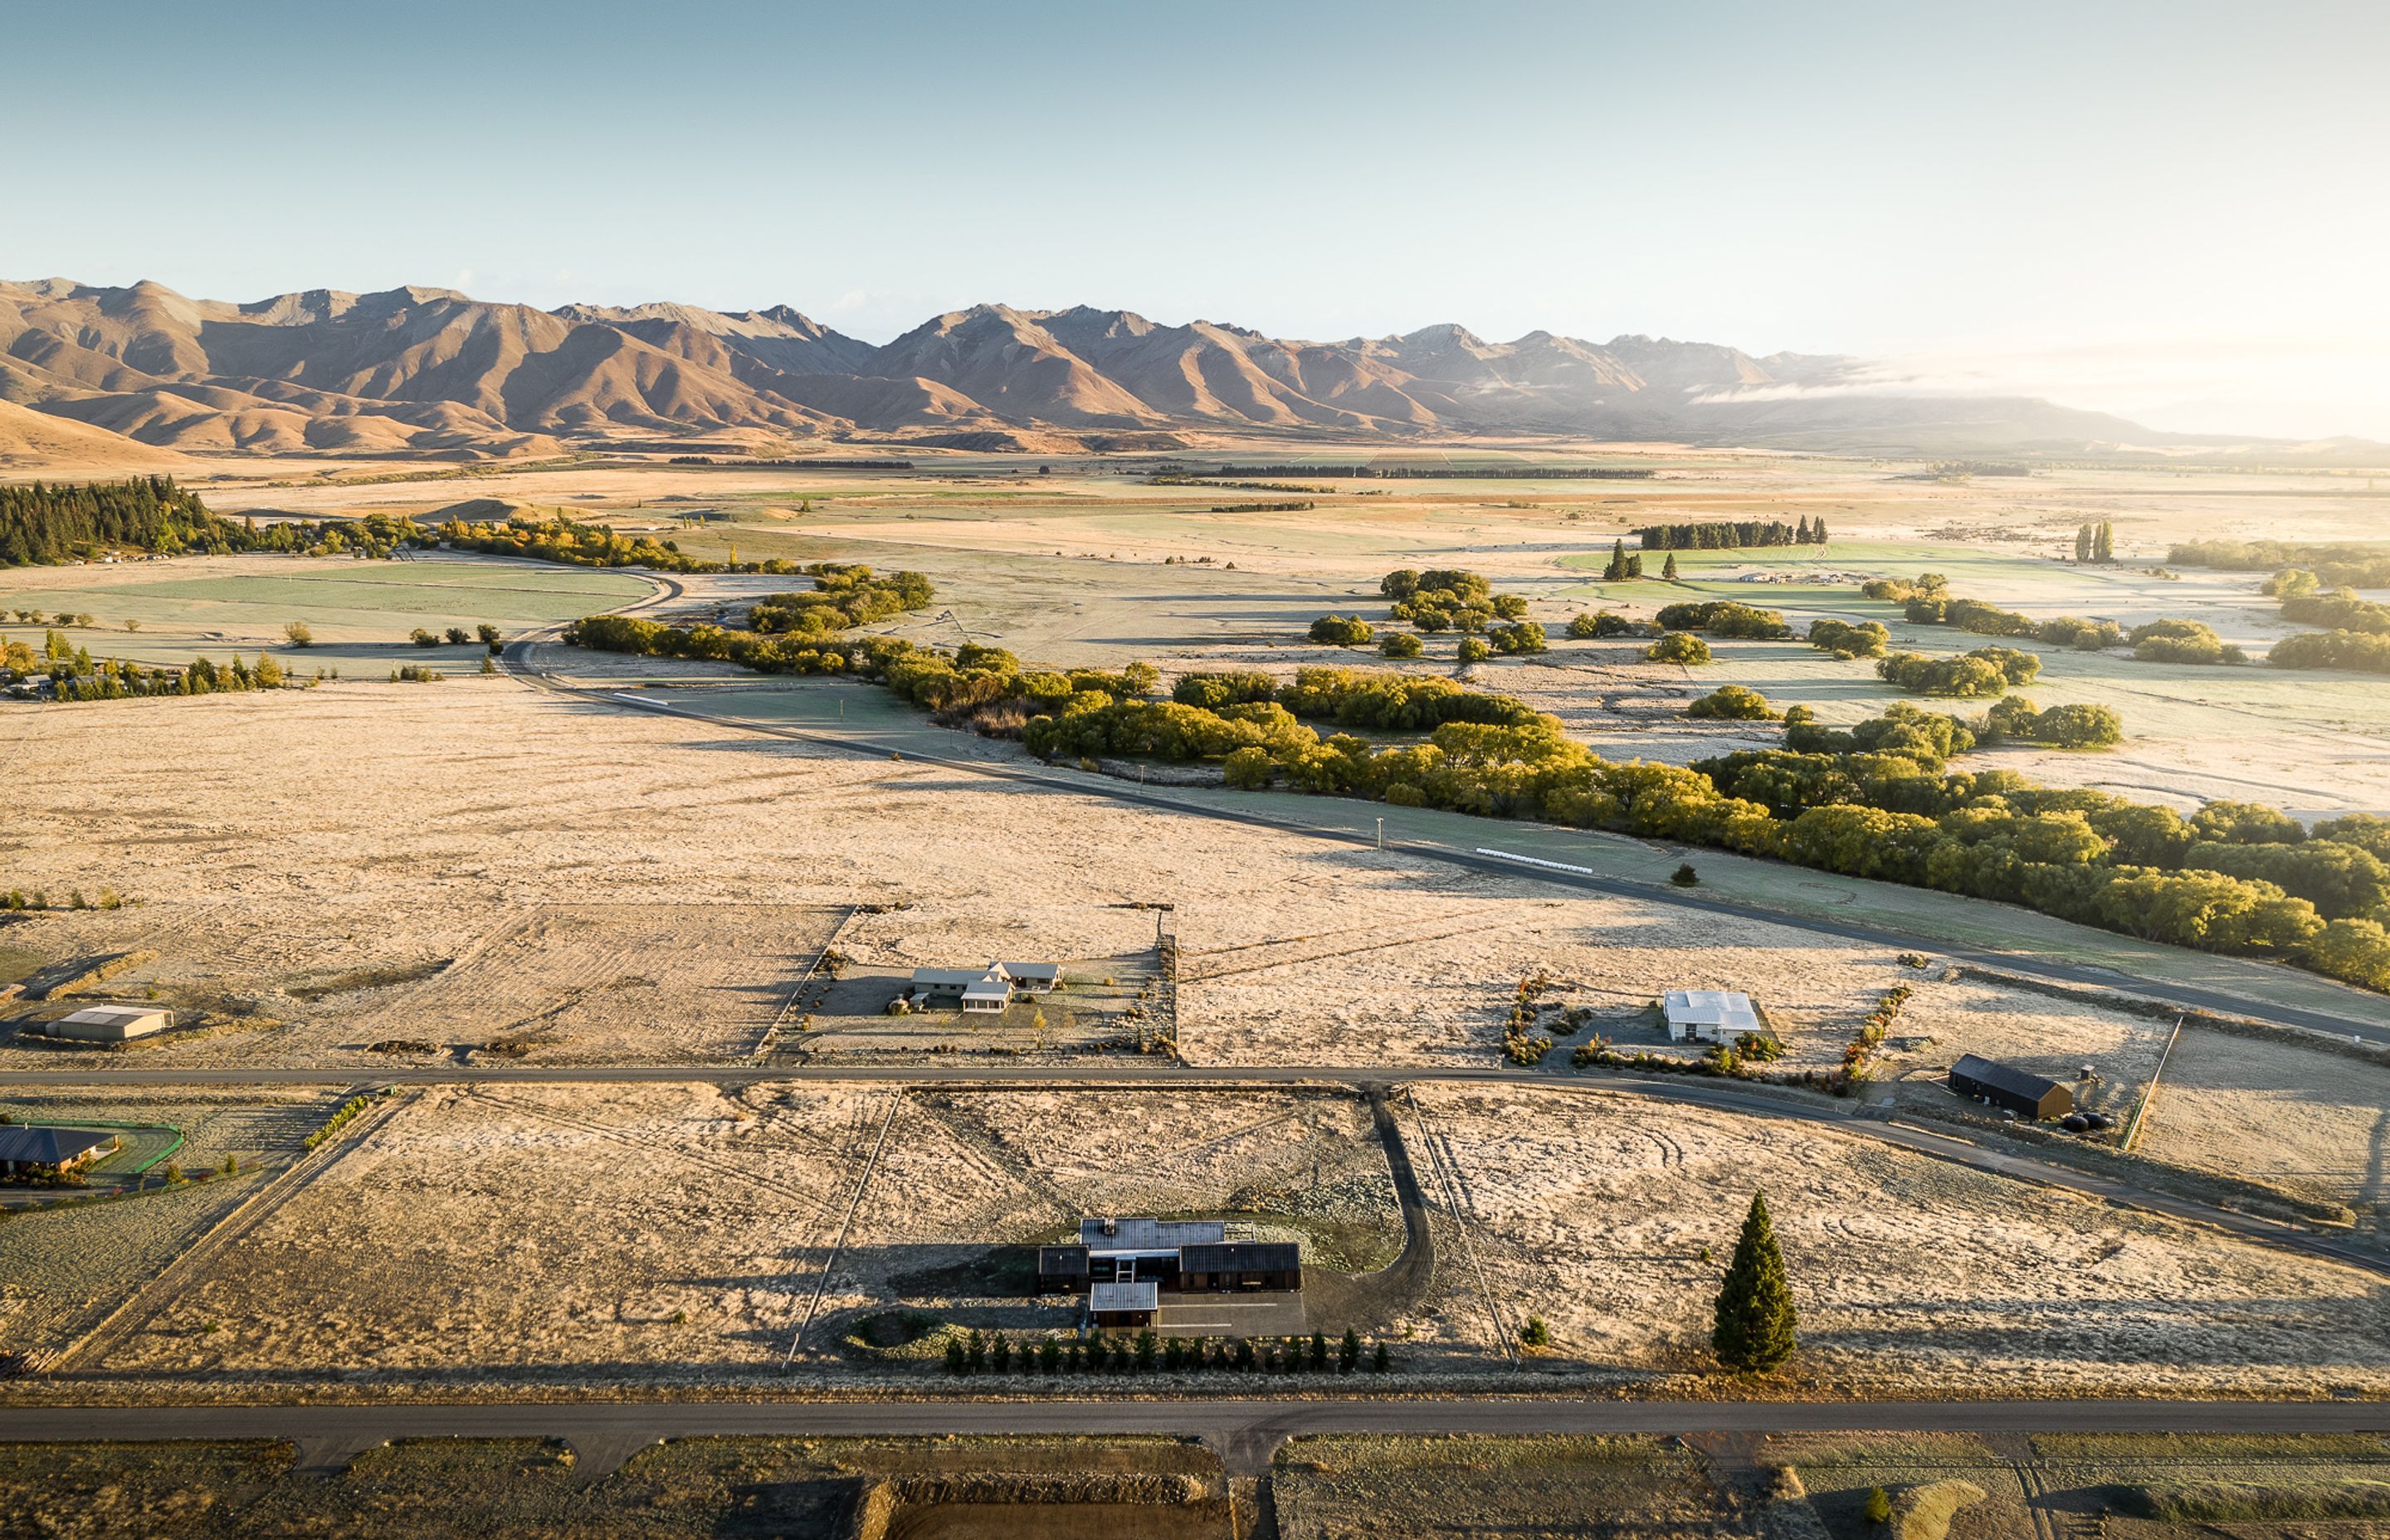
1029	970
2004	1077
1242	1256
50	1147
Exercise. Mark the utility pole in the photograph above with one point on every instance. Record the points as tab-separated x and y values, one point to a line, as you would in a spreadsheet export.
1381	834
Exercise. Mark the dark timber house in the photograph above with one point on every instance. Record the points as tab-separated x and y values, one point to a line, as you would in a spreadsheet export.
2005	1086
1175	1255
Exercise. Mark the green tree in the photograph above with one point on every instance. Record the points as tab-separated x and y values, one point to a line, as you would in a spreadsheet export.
489	634
1617	570
421	637
1669	571
958	1362
1678	647
1380	1360
1473	650
1348	1352
1754	1331
999	1354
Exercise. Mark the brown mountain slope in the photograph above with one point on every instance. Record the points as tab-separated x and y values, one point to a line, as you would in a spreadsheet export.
411	371
31	438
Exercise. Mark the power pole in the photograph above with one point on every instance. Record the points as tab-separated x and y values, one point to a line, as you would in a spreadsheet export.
1381	834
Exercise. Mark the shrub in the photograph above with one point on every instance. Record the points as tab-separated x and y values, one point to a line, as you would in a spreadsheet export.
2070	726
2182	642
421	637
457	636
1473	650
1685	877
1843	640
1536	1334
1519	636
1724	618
1986	670
1341	630
1249	769
298	635
2336	649
1399	644
1582	627
1733	702
1212	691
1678	647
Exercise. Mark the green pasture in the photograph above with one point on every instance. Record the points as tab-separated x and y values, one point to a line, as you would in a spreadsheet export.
247	600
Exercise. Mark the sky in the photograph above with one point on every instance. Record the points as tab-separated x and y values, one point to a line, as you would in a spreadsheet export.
2176	212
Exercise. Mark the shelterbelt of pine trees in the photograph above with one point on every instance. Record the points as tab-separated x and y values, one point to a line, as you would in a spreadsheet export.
44	524
1731	535
2235	877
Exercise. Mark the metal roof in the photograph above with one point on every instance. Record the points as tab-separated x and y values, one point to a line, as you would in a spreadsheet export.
1061	1260
115	1016
1124	1296
1029	970
948	976
1242	1256
50	1147
1149	1235
2004	1077
1711	1007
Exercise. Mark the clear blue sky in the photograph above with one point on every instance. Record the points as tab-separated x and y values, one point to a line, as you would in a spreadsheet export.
2174	210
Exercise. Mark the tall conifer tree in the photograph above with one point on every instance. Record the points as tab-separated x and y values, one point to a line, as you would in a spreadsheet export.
1754	1331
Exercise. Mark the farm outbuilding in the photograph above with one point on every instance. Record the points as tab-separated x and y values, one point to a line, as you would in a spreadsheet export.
2005	1086
40	1151
1709	1016
111	1024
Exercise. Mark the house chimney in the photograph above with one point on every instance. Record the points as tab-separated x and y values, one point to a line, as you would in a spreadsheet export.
1112	1225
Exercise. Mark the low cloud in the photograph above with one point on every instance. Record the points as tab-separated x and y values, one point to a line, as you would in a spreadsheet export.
2284	387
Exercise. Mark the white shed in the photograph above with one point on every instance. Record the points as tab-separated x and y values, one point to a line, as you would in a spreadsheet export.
111	1024
1709	1016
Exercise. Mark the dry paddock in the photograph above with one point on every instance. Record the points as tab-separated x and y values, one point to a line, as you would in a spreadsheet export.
672	1233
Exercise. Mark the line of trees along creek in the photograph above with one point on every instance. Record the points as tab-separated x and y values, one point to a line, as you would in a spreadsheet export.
1880	804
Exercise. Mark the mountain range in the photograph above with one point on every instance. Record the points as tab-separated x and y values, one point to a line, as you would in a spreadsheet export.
429	372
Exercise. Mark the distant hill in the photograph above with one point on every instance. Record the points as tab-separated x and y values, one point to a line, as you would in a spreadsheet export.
429	372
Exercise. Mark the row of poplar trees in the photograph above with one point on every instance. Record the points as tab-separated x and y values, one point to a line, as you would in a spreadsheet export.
2096	541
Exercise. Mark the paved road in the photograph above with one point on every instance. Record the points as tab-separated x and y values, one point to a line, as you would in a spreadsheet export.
1254	811
606	1432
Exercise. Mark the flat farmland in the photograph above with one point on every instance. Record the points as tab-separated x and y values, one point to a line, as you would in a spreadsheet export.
1611	1218
610	983
655	1231
2309	1121
69	1266
190	604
